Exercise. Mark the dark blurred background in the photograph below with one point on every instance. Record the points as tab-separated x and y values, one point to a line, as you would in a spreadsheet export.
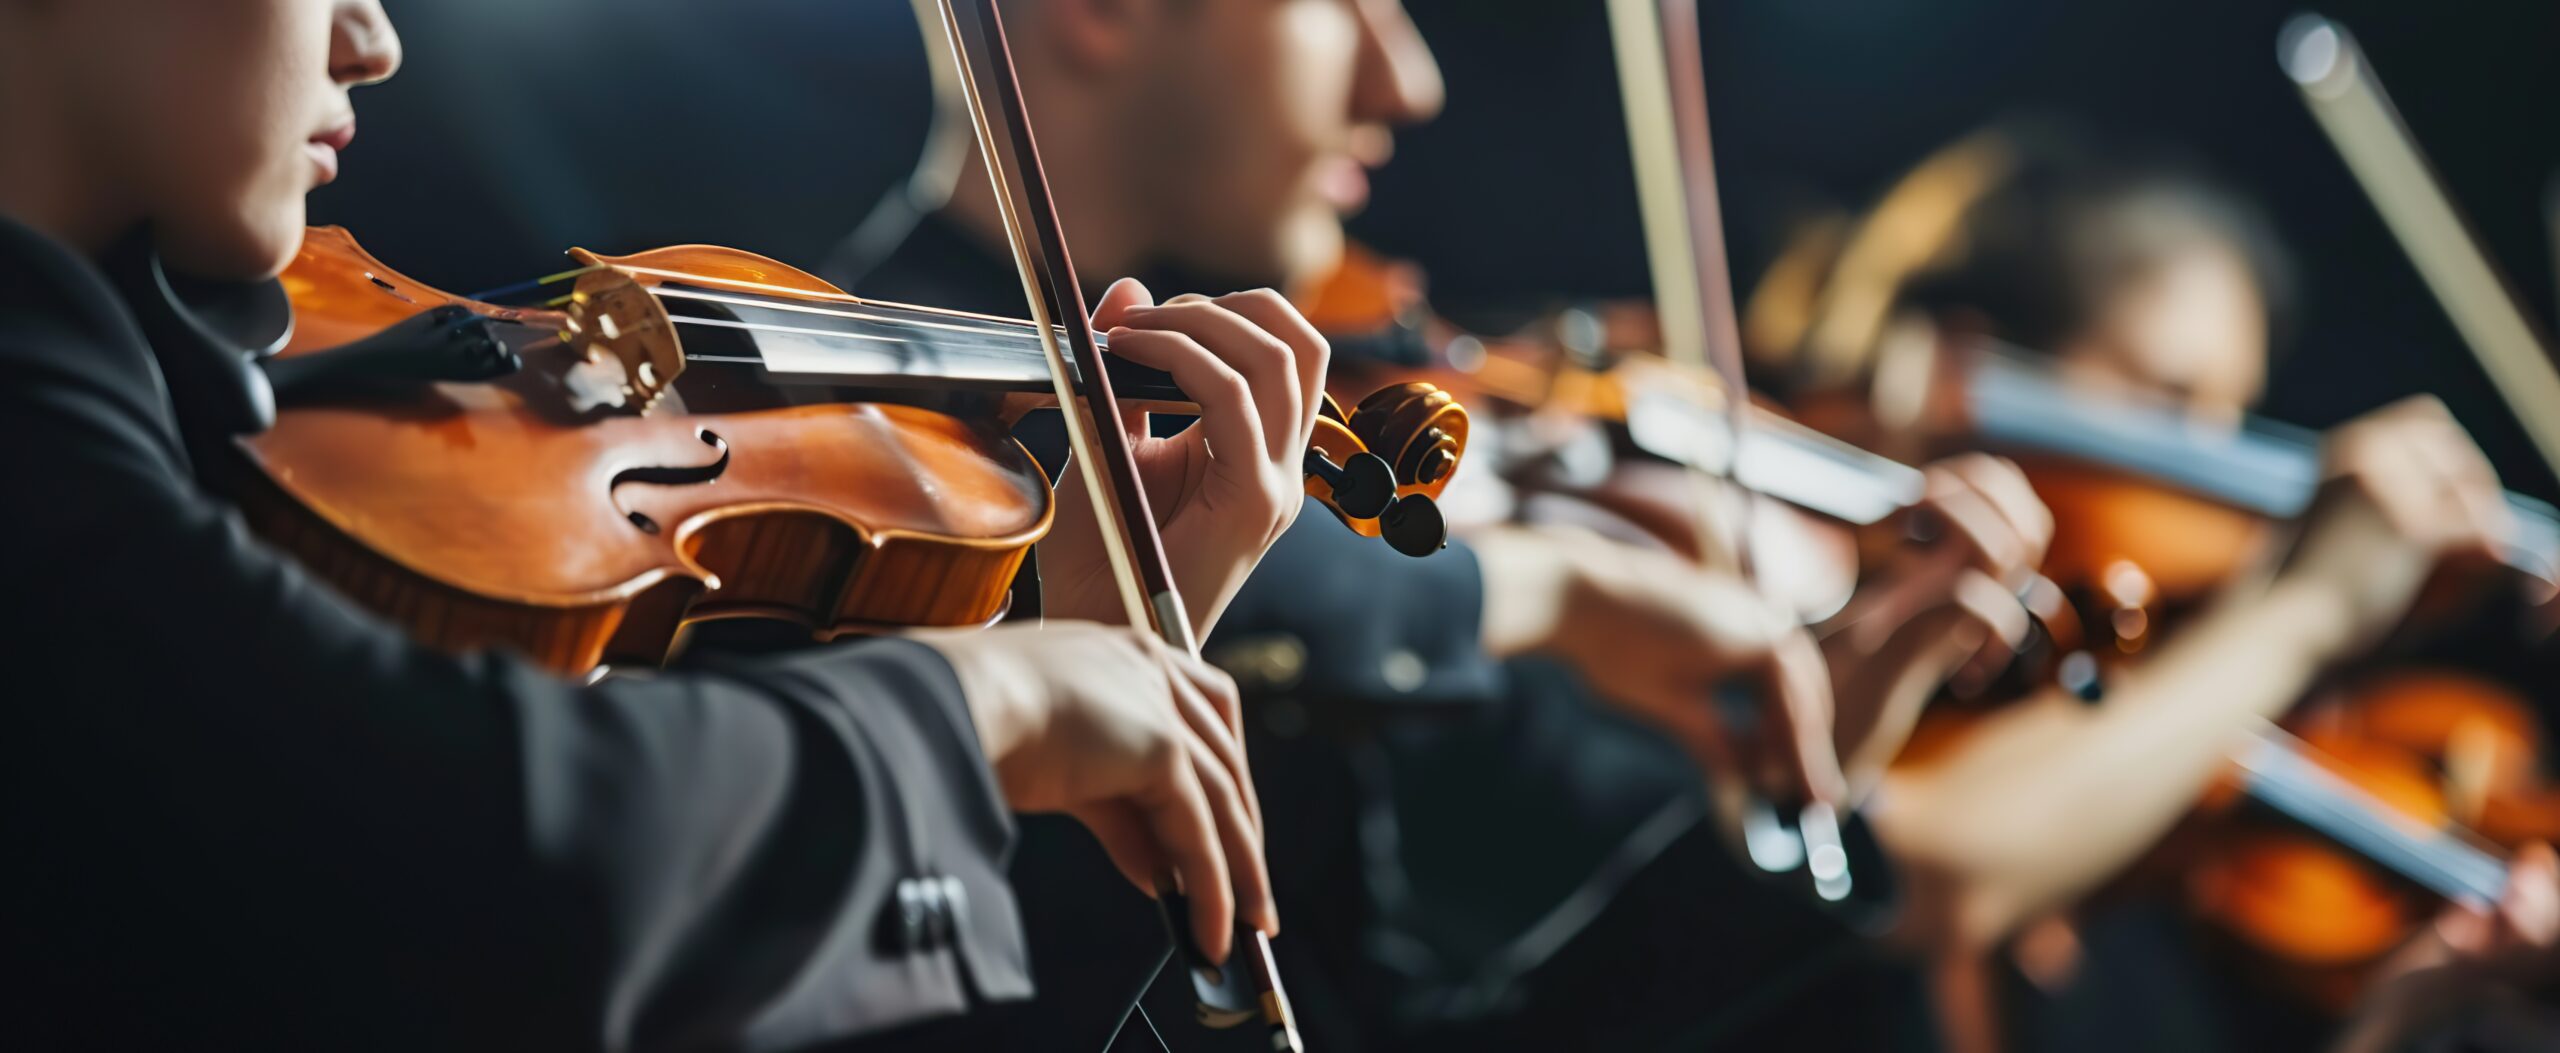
522	127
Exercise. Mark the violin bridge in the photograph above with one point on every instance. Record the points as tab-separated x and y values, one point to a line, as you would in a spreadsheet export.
613	318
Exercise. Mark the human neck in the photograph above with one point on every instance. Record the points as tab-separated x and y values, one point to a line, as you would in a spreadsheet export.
1108	234
44	182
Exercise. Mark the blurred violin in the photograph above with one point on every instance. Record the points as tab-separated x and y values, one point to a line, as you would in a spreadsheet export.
2421	777
1573	410
2153	506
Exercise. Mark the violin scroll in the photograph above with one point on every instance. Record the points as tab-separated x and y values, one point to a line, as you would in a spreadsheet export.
1381	468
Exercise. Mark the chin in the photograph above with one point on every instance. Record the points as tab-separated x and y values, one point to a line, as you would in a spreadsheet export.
1309	250
234	248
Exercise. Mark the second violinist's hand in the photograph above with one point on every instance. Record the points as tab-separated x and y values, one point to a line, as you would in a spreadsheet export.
1944	606
2468	960
1657	636
1135	740
1226	487
2405	488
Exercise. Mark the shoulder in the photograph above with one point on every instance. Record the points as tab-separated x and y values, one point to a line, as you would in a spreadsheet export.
70	353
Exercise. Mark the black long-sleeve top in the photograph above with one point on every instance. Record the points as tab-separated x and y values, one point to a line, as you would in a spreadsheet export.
243	813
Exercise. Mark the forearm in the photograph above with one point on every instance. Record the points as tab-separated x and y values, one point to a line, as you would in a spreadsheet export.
1562	591
1528	573
2051	797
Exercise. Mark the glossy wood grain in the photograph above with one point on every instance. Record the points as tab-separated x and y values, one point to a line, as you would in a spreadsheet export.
499	514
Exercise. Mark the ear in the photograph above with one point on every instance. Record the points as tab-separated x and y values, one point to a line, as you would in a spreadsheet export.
1100	36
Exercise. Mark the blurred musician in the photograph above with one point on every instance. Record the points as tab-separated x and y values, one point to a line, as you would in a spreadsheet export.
2134	276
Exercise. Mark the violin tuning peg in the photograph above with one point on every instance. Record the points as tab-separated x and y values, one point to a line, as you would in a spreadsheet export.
1364	485
1413	525
1367	488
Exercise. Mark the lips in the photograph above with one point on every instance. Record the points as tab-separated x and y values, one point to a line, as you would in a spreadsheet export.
1344	182
323	150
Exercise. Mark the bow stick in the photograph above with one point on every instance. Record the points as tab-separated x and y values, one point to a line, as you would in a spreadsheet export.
1099	439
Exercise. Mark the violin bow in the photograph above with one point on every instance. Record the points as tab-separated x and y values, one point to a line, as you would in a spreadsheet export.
1098	437
2339	85
1663	92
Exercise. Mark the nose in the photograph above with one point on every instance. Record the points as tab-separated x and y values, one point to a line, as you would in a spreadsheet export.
1399	81
363	48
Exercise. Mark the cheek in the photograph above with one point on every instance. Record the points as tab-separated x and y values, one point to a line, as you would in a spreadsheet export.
1296	87
235	206
1309	74
228	114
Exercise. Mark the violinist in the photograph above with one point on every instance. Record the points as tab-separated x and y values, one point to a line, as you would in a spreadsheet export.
2142	277
245	813
1228	138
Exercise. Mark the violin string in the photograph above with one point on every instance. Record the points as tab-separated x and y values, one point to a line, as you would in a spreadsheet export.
787	298
523	287
766	327
1019	345
878	314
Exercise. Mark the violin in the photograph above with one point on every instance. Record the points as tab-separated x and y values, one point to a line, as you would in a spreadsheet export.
2422	777
677	441
2152	506
1592	428
1580	411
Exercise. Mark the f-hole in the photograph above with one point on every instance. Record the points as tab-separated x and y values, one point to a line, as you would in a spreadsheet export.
664	475
387	287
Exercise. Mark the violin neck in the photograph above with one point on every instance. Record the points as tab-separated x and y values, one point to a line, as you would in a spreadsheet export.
2257	465
1778	458
880	345
2442	859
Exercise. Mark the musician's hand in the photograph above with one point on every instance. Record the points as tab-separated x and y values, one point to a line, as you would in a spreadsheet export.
1656	635
2406	488
1136	741
1946	606
1225	488
2468	959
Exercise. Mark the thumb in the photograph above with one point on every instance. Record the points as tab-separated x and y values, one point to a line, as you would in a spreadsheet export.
1122	297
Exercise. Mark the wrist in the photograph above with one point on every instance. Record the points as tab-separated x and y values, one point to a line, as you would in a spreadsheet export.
993	687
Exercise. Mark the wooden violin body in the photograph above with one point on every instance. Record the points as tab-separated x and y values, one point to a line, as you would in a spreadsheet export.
2452	758
586	506
500	514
